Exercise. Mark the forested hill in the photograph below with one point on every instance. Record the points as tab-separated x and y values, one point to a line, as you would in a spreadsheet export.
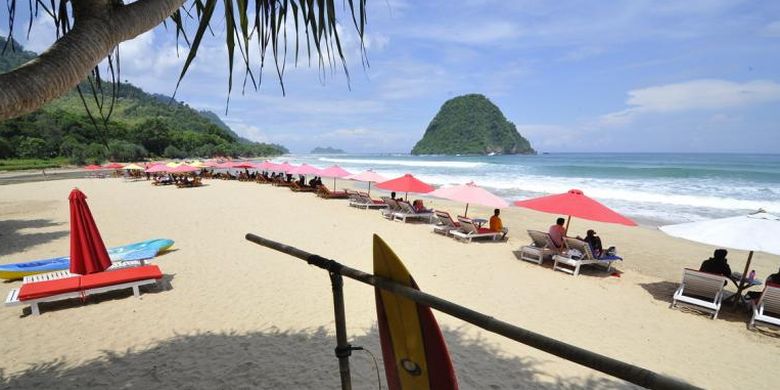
141	125
471	124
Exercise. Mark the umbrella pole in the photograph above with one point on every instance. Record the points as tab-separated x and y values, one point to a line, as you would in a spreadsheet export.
741	286
466	213
566	230
369	188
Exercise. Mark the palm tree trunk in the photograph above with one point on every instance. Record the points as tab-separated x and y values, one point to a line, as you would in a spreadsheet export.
99	25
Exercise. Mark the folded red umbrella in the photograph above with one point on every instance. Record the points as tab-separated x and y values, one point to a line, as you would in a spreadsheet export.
87	252
575	204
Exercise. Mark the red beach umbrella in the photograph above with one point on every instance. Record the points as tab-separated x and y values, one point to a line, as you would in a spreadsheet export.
575	203
93	167
406	183
87	252
113	166
243	165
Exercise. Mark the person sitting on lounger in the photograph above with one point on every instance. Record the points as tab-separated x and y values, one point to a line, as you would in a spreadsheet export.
717	264
419	207
496	225
594	242
557	233
773	279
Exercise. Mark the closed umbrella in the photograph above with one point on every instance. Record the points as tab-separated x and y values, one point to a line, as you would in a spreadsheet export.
335	172
406	184
575	204
757	232
87	252
470	193
367	176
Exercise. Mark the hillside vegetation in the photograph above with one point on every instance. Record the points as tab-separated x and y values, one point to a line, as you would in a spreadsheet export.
141	125
471	124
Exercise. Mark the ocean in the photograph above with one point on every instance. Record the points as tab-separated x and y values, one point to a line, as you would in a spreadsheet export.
653	188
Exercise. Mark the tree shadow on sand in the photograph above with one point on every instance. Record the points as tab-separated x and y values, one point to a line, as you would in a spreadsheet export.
276	359
13	241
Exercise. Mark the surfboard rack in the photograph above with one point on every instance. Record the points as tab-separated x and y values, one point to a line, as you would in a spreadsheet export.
613	367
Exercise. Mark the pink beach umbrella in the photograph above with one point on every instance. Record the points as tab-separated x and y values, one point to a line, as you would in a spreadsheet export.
157	168
406	183
183	169
367	176
284	167
334	171
470	193
224	165
93	167
266	166
243	165
305	169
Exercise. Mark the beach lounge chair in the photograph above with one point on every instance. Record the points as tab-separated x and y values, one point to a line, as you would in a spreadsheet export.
701	290
408	212
324	193
364	201
446	224
80	286
392	208
767	308
295	187
539	248
577	254
469	231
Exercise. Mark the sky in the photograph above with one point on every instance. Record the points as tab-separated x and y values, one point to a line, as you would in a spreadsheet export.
574	76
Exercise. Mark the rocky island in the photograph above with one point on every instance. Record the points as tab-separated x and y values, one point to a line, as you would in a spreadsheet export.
471	124
326	150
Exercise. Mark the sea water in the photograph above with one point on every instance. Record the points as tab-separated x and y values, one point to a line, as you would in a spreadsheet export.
652	188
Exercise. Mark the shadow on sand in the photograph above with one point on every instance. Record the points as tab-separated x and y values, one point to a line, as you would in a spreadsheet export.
275	359
12	241
587	270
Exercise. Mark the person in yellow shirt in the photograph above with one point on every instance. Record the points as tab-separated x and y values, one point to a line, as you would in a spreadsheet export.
496	225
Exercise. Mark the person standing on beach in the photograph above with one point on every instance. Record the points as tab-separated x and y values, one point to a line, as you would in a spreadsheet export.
557	233
496	225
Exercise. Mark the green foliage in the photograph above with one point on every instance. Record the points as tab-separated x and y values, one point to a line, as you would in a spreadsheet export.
471	124
18	164
173	152
141	125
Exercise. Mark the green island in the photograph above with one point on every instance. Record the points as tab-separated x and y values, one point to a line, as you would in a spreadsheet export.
141	126
327	150
471	124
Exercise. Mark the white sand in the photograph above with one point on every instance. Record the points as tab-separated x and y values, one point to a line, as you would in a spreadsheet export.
242	316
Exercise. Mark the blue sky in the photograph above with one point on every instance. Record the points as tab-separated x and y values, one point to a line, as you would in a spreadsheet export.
613	76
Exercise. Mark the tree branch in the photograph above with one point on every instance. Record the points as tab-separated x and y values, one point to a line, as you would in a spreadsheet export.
99	25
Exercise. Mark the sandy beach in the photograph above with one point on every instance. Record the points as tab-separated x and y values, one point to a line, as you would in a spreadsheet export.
232	314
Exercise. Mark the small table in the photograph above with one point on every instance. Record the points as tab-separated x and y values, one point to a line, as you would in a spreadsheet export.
479	221
740	288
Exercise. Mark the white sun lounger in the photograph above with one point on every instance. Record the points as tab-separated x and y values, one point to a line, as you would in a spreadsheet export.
539	248
701	290
469	231
407	212
446	225
767	308
565	260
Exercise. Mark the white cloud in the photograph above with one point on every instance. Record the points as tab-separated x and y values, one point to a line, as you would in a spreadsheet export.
772	30
247	131
693	95
476	33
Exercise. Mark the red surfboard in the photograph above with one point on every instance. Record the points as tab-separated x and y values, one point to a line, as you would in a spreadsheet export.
414	351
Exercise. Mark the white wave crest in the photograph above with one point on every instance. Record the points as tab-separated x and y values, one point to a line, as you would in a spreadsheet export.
406	163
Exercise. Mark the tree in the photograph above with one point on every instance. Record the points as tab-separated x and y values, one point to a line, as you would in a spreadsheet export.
92	29
30	147
173	152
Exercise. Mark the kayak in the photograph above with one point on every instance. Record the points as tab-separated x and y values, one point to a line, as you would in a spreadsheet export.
136	251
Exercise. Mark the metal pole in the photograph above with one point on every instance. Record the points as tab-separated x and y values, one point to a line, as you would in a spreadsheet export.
628	372
343	348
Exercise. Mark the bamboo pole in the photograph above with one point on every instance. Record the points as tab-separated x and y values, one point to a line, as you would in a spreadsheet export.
628	372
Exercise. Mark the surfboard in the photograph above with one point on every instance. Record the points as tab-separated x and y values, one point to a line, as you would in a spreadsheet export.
415	354
135	251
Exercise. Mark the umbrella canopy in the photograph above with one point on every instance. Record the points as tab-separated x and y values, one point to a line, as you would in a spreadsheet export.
199	164
305	169
753	232
183	169
367	176
87	252
173	164
243	165
284	167
133	167
267	166
334	171
113	166
406	184
93	167
575	204
470	193
157	168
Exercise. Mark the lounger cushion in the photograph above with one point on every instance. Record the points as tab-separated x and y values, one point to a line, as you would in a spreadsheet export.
485	231
126	275
48	288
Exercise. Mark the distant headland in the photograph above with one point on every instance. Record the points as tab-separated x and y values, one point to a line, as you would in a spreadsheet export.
326	150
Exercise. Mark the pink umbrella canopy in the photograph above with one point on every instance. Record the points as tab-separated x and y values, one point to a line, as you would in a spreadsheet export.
575	204
243	165
267	166
470	193
406	183
87	252
334	171
93	167
305	169
157	168
367	176
183	169
224	165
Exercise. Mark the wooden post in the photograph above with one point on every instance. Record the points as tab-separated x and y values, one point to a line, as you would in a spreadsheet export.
466	213
628	372
566	230
343	348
